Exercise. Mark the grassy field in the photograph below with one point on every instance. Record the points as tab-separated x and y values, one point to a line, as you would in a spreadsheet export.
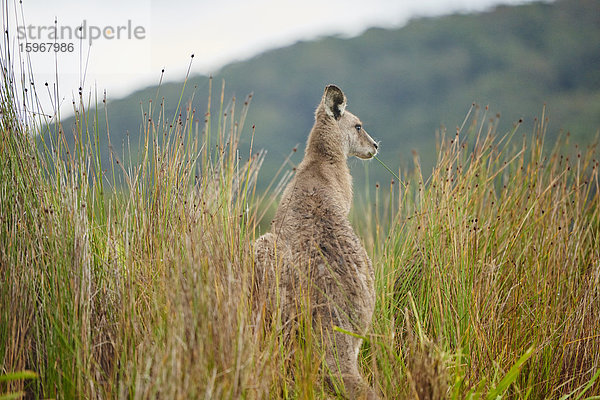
132	280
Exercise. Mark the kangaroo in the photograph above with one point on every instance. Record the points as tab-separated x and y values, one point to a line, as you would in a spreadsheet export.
312	249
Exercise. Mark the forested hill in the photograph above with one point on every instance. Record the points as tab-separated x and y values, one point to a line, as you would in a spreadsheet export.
407	83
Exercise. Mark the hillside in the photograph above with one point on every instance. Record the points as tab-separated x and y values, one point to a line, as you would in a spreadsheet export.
407	83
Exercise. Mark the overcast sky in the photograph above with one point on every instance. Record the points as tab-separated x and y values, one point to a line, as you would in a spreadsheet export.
124	45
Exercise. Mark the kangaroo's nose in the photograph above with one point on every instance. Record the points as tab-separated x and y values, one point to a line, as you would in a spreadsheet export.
376	145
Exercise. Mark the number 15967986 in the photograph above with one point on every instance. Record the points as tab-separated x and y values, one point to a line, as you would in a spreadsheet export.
47	47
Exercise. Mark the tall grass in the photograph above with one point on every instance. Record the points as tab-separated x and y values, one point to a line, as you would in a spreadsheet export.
128	280
494	256
133	279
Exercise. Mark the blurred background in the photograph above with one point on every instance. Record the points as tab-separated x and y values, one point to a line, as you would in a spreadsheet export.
410	69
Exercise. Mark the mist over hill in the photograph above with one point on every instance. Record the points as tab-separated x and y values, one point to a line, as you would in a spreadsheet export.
406	84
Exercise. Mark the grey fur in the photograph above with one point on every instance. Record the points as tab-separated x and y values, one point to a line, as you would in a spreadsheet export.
313	249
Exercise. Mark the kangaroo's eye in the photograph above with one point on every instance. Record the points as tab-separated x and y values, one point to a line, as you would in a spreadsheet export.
358	127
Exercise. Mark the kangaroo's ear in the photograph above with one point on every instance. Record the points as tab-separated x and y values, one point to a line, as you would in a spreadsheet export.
334	101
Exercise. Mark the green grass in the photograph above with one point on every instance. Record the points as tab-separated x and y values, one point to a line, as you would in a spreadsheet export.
495	256
133	280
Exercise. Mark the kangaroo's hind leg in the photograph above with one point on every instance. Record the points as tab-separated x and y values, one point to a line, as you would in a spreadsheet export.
341	357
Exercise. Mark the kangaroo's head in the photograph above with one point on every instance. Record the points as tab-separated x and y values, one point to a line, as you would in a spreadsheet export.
354	139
